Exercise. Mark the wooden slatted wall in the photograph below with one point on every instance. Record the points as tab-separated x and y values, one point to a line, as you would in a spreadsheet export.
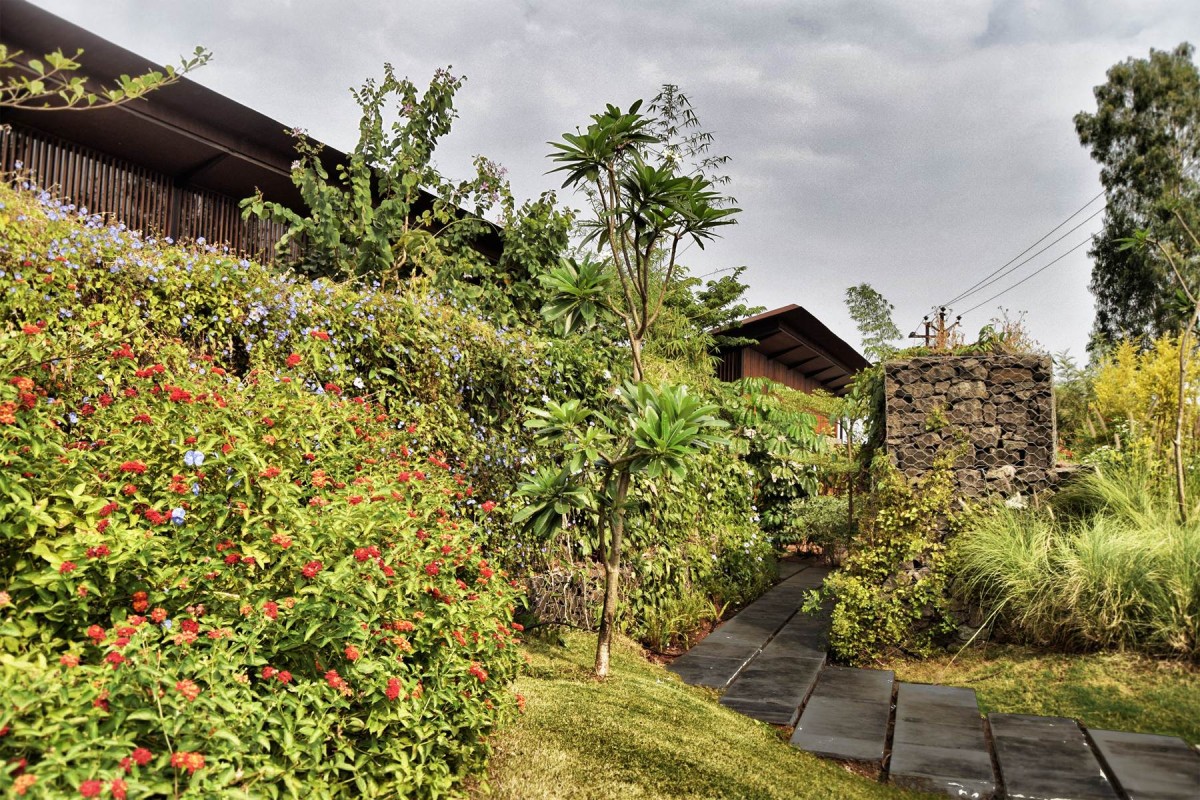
139	197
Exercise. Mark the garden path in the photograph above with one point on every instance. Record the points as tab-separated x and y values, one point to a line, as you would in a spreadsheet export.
770	660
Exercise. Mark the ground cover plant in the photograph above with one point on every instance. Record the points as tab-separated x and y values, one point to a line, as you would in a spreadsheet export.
643	733
228	440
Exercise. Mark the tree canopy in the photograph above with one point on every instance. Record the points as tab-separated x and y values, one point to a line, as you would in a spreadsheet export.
1145	134
872	313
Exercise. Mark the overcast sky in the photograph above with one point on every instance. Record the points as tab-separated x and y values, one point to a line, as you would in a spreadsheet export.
913	144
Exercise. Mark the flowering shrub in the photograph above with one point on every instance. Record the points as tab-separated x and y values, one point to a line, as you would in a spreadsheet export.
234	560
159	404
228	600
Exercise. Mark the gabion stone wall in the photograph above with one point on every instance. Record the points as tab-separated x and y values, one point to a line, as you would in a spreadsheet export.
997	410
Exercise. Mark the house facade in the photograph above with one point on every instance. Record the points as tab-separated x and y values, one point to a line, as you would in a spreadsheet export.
792	347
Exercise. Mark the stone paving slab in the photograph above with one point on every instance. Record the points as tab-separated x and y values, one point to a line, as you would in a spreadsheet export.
1149	767
725	652
774	684
938	743
847	715
789	568
1047	758
771	691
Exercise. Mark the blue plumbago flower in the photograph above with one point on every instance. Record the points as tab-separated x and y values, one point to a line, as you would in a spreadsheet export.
166	624
177	516
193	458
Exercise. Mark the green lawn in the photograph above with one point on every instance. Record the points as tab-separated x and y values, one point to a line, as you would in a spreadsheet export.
1104	690
644	734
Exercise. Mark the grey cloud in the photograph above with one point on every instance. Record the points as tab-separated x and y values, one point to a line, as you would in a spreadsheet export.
914	145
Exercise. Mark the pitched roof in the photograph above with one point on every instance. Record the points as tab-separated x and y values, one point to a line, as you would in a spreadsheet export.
792	336
197	137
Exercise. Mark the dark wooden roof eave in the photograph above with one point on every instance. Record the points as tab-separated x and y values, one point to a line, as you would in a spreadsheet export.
198	137
803	343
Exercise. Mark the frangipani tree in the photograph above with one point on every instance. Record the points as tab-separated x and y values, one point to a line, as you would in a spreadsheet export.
651	434
646	208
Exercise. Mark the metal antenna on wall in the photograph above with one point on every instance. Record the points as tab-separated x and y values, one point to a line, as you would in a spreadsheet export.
937	332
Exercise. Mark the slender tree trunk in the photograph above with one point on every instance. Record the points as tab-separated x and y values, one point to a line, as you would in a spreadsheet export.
635	350
612	577
1177	442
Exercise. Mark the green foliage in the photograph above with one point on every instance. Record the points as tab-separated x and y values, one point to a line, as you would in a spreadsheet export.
387	214
872	313
652	432
824	521
696	550
54	82
1144	134
645	209
684	512
390	419
375	219
777	435
1079	424
890	593
1109	565
1135	398
579	293
238	573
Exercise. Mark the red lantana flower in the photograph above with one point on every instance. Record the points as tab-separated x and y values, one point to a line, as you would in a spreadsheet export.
133	466
311	569
189	761
188	689
91	788
294	360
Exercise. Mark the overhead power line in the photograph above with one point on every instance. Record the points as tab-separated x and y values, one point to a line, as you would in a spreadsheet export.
1027	277
1003	270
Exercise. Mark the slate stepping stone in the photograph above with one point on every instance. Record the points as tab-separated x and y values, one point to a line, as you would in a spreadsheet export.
1149	767
938	744
789	568
1047	758
716	660
771	689
847	715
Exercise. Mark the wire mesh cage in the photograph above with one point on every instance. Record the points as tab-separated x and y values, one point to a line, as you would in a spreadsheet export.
994	414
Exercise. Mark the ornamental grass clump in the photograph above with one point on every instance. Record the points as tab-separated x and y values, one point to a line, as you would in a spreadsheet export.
1108	565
